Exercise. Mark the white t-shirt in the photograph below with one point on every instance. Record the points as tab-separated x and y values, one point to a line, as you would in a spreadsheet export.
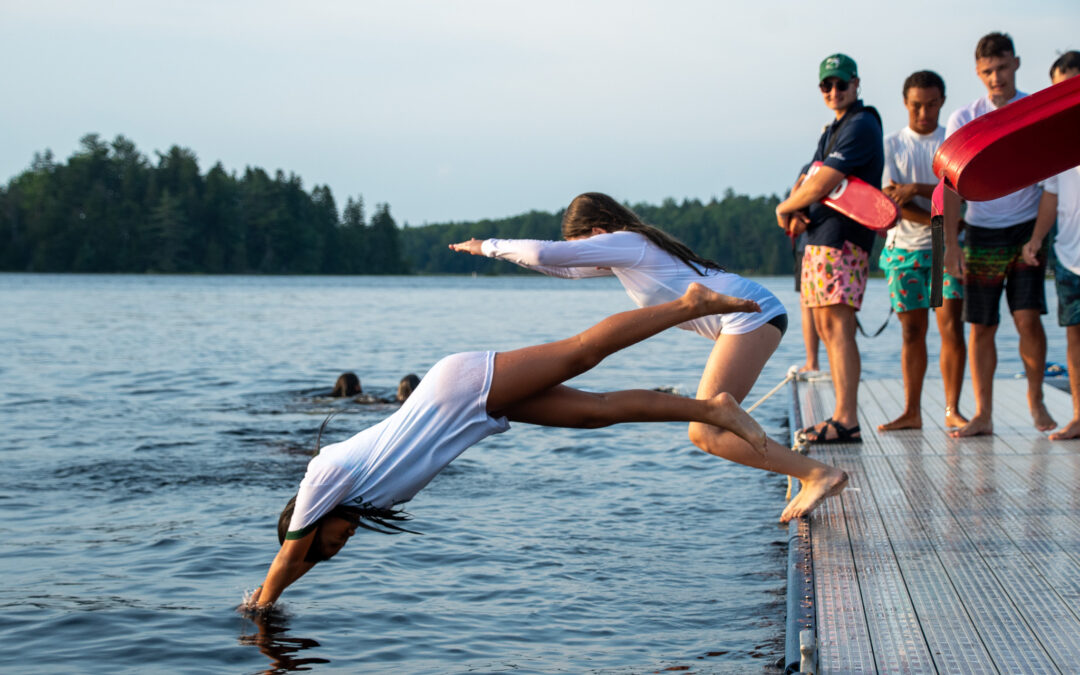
1012	209
1066	185
649	274
909	158
390	462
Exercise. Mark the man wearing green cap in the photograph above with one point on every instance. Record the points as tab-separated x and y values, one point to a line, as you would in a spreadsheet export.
836	260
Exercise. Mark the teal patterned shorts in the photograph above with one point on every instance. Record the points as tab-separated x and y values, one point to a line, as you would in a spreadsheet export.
908	273
1068	292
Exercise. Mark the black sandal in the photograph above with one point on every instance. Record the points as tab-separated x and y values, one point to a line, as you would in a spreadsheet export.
843	434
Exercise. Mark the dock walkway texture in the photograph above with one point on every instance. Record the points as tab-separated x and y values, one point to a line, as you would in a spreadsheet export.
943	555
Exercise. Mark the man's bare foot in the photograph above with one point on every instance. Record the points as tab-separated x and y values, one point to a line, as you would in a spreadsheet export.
978	426
907	420
809	367
705	301
953	418
1039	413
1070	430
814	490
728	414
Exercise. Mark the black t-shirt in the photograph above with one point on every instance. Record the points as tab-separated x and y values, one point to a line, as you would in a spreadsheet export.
858	151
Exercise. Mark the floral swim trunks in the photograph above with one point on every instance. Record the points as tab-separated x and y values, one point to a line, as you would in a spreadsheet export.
832	276
908	272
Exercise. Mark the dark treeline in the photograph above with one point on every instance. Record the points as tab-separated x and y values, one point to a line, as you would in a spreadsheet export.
737	231
109	208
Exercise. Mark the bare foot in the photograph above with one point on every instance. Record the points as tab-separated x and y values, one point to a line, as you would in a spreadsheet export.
1070	430
810	368
953	418
817	488
978	426
729	415
1039	413
705	301
906	420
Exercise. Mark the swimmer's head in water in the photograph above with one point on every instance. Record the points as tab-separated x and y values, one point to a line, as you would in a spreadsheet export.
332	531
593	210
348	384
406	386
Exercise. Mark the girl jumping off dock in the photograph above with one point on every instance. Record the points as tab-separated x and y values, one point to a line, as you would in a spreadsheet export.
466	397
603	237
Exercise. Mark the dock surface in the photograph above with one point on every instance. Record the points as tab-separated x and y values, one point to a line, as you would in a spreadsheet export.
946	555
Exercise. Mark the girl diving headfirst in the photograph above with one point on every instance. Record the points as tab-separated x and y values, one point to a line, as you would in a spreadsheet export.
603	237
466	397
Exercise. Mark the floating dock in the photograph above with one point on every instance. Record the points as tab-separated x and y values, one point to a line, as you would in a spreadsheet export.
943	555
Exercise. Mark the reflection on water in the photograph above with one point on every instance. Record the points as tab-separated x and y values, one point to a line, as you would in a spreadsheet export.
273	640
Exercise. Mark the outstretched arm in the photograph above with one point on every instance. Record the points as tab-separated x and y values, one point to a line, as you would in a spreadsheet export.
288	566
592	257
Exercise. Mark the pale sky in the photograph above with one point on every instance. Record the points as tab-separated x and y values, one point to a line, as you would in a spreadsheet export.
469	109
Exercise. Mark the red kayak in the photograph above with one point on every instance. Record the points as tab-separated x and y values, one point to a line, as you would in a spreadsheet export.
1014	146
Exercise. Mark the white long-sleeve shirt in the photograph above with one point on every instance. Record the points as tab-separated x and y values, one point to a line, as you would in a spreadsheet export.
649	274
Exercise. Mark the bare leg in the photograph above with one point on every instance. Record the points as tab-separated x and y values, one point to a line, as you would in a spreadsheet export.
1072	429
522	373
1033	354
733	367
983	354
953	353
913	365
836	326
563	406
811	341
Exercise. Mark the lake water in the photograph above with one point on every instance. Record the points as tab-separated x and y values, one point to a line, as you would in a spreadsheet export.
154	426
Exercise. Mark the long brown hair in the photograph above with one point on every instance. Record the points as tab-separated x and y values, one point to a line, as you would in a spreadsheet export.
595	209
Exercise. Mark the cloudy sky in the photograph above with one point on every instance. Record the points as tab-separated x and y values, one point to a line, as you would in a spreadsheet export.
466	109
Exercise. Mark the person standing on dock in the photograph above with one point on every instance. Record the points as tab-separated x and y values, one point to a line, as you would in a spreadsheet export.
909	181
992	258
836	260
1061	200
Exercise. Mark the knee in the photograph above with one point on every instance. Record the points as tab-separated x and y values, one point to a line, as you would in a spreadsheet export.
701	435
913	333
1028	324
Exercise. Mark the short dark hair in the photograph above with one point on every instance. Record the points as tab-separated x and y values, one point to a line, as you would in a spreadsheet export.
1068	61
924	79
994	44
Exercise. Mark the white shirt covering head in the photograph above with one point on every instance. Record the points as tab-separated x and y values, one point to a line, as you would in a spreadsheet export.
649	274
387	464
1066	185
1012	209
909	158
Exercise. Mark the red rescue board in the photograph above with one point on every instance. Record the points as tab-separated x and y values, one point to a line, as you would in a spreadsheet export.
860	201
1014	146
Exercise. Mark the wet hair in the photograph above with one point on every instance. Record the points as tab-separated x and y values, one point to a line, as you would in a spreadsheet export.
377	516
406	386
994	44
595	209
924	79
1068	61
348	384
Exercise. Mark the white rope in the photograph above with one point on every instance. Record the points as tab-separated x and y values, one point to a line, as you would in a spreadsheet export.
791	373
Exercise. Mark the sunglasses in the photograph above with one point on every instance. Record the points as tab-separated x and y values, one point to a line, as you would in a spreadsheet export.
840	85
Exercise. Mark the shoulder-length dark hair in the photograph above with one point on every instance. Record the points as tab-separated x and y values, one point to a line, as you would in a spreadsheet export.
595	209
